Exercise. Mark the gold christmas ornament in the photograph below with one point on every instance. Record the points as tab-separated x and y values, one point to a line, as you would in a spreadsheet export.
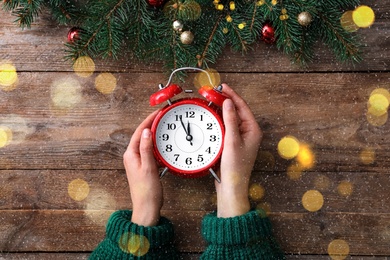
304	18
177	26
186	37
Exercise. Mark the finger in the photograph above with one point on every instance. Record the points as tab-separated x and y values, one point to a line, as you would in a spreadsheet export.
136	137
242	107
146	149
231	121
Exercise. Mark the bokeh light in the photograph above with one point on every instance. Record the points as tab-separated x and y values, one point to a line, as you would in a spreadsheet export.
377	107
338	249
84	66
99	205
256	192
305	156
347	22
202	79
265	207
265	160
367	155
137	245
288	147
294	171
312	200
16	128
105	83
345	188
5	136
363	16
66	93
8	76
78	189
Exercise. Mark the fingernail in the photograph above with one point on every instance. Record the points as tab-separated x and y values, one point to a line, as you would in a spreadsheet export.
146	133
228	104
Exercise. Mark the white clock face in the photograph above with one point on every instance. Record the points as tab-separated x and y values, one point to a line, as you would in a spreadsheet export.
189	137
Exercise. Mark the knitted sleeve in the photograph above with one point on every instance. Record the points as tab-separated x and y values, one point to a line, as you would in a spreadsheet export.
127	240
244	237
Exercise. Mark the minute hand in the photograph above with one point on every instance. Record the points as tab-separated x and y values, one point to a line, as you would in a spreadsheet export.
182	124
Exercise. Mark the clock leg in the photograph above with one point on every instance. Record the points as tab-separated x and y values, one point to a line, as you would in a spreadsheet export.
163	172
214	175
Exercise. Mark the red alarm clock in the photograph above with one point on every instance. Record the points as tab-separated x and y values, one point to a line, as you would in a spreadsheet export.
188	133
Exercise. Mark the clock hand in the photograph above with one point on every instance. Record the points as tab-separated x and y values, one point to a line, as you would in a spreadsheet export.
188	136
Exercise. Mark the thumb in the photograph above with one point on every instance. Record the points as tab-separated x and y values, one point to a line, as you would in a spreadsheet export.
231	121
146	148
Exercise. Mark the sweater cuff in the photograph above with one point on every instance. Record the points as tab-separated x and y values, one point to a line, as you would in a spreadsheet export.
239	230
120	228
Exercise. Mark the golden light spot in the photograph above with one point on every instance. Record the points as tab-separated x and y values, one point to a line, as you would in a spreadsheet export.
288	147
266	207
367	156
294	171
99	205
338	249
377	120
225	30
232	6
219	7
16	128
305	156
345	188
229	19
381	91
78	189
363	16
8	76
134	244
5	136
256	192
241	26
378	104
347	22
202	79
322	182
105	83
84	66
312	200
66	93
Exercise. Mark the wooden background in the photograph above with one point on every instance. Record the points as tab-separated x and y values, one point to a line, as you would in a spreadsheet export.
324	105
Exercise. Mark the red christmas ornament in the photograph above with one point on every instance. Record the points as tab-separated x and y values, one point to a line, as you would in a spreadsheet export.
156	3
73	34
268	33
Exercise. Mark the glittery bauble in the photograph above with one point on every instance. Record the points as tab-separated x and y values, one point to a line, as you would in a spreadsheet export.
268	33
186	37
177	26
73	34
156	3
304	18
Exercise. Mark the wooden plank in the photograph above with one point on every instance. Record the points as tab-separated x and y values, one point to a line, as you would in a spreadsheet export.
325	110
66	231
43	44
108	190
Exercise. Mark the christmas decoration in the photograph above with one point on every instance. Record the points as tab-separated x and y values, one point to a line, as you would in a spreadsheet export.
186	37
73	34
156	3
304	18
163	31
268	33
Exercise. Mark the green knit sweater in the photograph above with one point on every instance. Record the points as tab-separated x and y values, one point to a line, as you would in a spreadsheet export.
244	237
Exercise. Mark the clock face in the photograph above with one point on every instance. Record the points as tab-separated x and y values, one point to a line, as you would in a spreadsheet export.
188	136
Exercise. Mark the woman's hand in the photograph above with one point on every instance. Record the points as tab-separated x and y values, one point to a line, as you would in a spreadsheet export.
242	140
142	175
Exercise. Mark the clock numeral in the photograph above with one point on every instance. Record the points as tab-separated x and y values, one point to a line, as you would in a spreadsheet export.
200	157
165	137
168	148
201	117
190	114
213	138
189	161
171	126
208	150
176	156
209	126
